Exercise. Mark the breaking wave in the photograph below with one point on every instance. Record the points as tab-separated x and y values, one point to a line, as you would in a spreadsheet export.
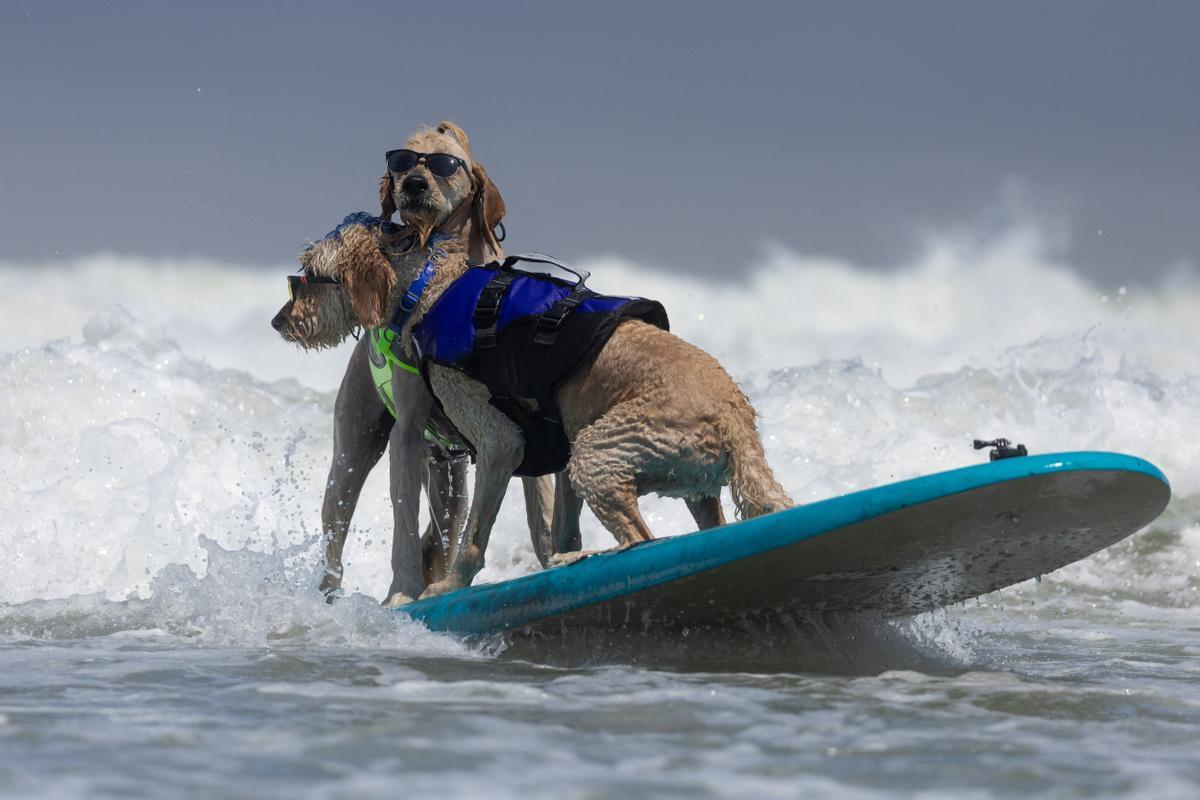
162	452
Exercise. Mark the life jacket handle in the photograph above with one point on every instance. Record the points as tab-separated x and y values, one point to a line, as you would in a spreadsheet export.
541	258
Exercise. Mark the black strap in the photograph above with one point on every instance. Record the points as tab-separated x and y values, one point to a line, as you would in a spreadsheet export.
487	309
551	320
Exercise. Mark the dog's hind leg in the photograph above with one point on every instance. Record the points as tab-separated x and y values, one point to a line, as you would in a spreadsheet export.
616	506
361	424
707	512
565	536
540	504
606	460
560	542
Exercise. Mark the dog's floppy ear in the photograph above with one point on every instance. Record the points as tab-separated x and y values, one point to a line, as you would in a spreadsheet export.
489	205
367	274
445	126
387	203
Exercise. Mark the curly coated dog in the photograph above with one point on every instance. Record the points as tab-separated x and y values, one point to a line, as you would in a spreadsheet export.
321	315
648	413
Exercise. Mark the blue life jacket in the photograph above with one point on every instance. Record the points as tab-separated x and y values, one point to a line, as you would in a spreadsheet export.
523	334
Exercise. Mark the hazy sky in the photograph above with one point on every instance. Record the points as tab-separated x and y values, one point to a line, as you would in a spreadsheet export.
678	134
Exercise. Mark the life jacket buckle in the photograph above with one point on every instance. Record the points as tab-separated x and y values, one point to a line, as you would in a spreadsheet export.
487	308
549	322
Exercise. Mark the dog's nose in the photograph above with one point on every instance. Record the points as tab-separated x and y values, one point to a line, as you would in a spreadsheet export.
414	185
278	321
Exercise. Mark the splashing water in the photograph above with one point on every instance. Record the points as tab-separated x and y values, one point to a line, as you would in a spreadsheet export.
163	454
120	447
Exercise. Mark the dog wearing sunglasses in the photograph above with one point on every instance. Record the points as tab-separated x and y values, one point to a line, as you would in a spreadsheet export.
453	197
647	413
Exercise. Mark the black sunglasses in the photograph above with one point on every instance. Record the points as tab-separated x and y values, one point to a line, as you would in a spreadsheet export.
442	165
297	282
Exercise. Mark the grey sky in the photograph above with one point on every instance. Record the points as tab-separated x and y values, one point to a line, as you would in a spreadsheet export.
679	134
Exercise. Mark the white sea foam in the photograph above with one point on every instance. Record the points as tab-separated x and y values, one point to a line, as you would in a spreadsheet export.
152	420
162	456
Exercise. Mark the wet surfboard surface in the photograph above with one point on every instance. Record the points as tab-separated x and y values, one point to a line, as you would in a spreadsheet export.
900	549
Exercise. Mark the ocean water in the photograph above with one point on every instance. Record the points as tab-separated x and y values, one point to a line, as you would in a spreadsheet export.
162	455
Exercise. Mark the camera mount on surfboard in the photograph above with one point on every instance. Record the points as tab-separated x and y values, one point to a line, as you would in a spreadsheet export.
1003	449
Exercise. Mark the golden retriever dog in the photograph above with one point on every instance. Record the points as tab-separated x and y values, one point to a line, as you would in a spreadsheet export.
321	315
649	413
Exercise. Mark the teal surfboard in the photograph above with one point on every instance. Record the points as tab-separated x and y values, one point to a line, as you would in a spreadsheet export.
900	549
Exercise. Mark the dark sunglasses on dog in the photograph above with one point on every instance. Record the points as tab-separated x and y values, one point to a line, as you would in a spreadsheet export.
297	282
442	165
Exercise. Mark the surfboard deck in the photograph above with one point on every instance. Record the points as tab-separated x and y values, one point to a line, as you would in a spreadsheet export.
901	549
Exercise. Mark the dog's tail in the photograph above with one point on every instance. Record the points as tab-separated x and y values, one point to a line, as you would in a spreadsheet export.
751	481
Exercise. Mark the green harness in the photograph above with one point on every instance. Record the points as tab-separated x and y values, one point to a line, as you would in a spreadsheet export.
384	361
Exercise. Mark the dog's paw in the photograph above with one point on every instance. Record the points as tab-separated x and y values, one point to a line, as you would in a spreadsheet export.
629	545
396	600
331	586
566	559
441	587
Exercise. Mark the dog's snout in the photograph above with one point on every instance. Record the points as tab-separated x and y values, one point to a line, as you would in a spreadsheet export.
414	185
278	321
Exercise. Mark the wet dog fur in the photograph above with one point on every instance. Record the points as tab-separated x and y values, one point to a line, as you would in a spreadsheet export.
651	413
324	316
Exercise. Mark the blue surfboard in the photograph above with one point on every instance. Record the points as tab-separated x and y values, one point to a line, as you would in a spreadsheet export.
900	549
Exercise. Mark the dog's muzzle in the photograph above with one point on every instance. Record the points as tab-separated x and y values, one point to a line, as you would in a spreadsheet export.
414	186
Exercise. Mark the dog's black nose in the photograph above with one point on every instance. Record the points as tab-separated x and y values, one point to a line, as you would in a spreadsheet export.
279	321
414	185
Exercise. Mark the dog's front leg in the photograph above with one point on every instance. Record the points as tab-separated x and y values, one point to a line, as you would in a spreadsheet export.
446	487
493	470
499	448
361	424
405	447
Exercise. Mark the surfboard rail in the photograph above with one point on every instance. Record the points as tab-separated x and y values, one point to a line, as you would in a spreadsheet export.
902	548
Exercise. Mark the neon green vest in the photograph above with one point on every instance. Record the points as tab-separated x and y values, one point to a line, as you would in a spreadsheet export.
383	362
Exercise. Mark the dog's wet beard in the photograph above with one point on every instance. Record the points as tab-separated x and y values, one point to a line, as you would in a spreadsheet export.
423	228
420	215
